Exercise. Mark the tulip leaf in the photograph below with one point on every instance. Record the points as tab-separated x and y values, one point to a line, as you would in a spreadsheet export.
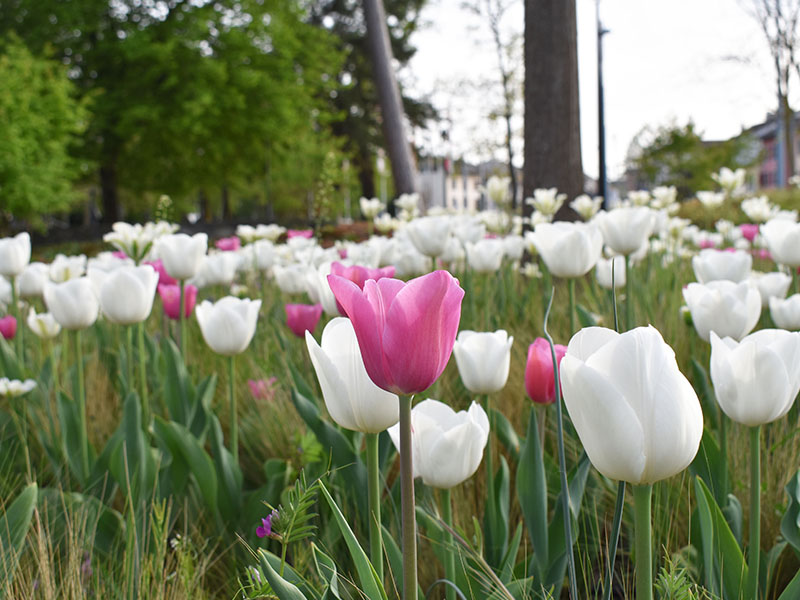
495	518
229	474
585	317
790	523
706	394
71	434
176	383
532	491
9	365
326	569
722	554
506	570
282	588
792	591
708	465
370	584
14	525
504	431
183	446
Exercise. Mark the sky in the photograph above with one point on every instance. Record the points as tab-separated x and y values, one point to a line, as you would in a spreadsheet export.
664	62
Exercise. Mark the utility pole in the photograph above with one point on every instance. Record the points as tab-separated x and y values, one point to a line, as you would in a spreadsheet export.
602	177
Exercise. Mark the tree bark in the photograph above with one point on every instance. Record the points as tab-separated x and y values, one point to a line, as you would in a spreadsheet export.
397	145
552	117
109	193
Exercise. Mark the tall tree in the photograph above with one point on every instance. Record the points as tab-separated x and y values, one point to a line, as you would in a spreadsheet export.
779	20
552	117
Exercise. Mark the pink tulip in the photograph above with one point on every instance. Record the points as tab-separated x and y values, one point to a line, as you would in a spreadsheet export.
8	327
303	317
405	331
171	299
706	244
749	231
358	274
262	389
763	254
228	244
301	233
119	254
163	276
539	381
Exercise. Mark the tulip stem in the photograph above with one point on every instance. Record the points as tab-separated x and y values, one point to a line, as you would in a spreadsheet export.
143	377
491	508
374	483
450	558
612	551
181	316
571	287
234	416
723	450
755	511
642	499
129	357
409	521
562	461
82	407
628	295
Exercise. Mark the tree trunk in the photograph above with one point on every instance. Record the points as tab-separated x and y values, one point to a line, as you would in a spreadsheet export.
366	174
511	170
788	129
225	200
109	193
552	118
397	145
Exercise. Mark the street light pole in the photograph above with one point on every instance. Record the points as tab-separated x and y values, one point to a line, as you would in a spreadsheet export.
602	179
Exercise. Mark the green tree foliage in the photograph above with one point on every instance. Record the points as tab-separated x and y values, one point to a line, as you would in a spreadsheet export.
193	98
677	155
40	118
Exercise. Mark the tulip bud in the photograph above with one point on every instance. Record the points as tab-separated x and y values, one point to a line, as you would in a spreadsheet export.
126	294
73	304
727	308
15	254
302	317
171	299
182	254
229	324
8	327
483	359
540	382
43	325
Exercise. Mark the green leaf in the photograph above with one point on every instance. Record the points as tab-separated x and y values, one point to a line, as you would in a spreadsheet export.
792	591
790	523
229	474
706	394
282	588
708	466
326	569
506	570
585	317
495	518
14	525
532	491
370	584
69	420
504	431
719	546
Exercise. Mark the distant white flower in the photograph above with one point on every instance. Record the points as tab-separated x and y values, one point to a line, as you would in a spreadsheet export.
497	190
663	197
585	206
639	197
11	388
370	207
758	210
546	201
63	268
711	199
732	182
407	202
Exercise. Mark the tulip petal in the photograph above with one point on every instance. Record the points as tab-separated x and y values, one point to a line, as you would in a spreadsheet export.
334	391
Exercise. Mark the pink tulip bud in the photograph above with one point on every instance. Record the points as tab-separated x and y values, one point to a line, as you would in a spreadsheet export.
749	231
405	331
8	327
119	254
301	233
228	244
539	380
358	274
163	277
171	299
303	317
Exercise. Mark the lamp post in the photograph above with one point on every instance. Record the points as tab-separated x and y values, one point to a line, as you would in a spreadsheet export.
602	178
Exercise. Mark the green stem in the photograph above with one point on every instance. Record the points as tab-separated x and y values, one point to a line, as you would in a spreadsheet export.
612	551
143	377
409	522
234	416
642	497
450	558
82	407
755	512
794	279
491	508
628	295
572	309
129	352
374	484
723	450
20	329
181	318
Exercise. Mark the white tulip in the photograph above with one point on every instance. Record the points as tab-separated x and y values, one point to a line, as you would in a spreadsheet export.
625	230
716	265
63	268
447	447
514	247
786	313
291	279
73	303
182	254
497	190
586	207
485	256
319	291
568	249
126	294
370	207
771	285
546	201
11	388
636	415
15	254
758	210
264	251
603	272
727	308
43	325
429	235
218	269
229	324
783	240
756	380
352	399
483	359
30	283
5	292
711	199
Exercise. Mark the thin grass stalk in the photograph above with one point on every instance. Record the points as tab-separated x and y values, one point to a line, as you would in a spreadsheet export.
143	377
234	416
628	295
562	461
572	309
374	483
129	355
82	407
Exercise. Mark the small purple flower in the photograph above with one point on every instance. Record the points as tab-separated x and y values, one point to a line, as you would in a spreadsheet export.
266	525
